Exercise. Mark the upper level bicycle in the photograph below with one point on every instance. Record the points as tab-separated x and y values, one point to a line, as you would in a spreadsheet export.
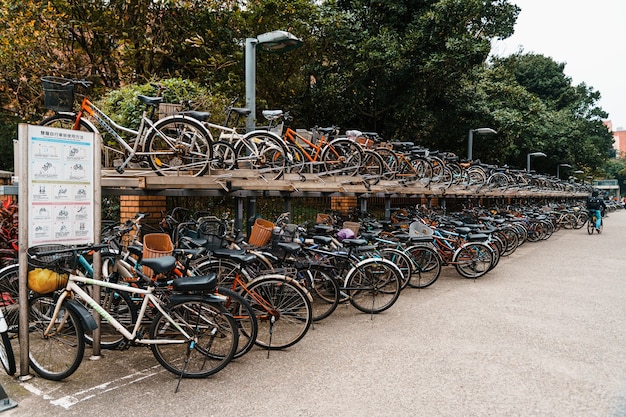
173	145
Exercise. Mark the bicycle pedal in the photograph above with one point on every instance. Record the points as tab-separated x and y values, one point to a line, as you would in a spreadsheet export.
125	344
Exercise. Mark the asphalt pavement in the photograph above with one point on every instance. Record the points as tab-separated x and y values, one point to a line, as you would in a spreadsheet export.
543	334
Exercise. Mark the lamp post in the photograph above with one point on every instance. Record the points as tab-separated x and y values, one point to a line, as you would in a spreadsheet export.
528	159
275	41
470	138
557	169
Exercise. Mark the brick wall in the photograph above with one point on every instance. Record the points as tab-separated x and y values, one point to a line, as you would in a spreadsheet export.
130	205
343	204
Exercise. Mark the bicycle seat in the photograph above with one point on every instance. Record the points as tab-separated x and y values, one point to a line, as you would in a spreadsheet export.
290	247
322	240
193	252
150	101
198	115
241	111
161	264
323	228
237	255
421	239
477	237
354	242
272	114
196	283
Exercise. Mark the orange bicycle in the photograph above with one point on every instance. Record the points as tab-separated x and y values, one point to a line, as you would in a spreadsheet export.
321	151
173	145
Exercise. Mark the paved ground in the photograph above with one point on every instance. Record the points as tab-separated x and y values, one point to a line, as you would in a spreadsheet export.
541	335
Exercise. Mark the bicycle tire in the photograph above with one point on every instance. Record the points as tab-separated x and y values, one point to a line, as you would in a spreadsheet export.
225	269
264	152
473	260
401	260
427	266
246	320
179	145
324	291
9	295
66	121
342	157
298	160
224	156
290	315
7	357
423	170
119	305
390	161
213	332
374	285
372	167
56	356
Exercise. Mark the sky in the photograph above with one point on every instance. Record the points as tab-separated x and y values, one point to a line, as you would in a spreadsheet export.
589	37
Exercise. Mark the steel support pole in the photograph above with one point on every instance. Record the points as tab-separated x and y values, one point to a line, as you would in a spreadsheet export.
250	65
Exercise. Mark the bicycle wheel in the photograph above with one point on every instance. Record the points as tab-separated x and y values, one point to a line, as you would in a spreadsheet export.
342	157
264	152
298	160
57	355
371	169
324	291
224	156
121	307
6	354
66	121
473	260
225	269
283	310
426	266
179	145
390	161
243	314
213	338
9	295
374	285
401	260
422	169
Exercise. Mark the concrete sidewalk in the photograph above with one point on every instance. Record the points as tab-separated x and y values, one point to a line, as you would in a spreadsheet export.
543	334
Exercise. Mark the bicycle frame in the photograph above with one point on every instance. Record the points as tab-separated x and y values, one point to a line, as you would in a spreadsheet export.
148	299
293	137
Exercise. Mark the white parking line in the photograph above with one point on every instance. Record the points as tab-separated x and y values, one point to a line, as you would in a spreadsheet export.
72	399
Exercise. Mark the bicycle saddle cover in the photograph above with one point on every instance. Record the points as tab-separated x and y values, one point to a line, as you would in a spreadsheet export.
196	283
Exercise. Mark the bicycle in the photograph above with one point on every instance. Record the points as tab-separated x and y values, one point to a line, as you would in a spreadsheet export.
173	145
282	307
338	156
591	224
260	150
193	336
7	356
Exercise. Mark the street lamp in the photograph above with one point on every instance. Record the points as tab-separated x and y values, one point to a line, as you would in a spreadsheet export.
470	138
275	41
528	159
557	169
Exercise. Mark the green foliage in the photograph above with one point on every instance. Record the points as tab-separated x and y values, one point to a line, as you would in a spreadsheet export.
409	69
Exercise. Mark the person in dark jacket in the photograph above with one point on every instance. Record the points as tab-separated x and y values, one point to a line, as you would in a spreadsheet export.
596	205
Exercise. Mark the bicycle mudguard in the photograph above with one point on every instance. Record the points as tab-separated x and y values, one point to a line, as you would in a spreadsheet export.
89	323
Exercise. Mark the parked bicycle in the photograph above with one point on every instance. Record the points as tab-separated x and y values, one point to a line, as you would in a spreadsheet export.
173	145
193	336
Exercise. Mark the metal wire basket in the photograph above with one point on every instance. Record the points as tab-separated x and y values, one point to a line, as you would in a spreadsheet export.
50	256
58	93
